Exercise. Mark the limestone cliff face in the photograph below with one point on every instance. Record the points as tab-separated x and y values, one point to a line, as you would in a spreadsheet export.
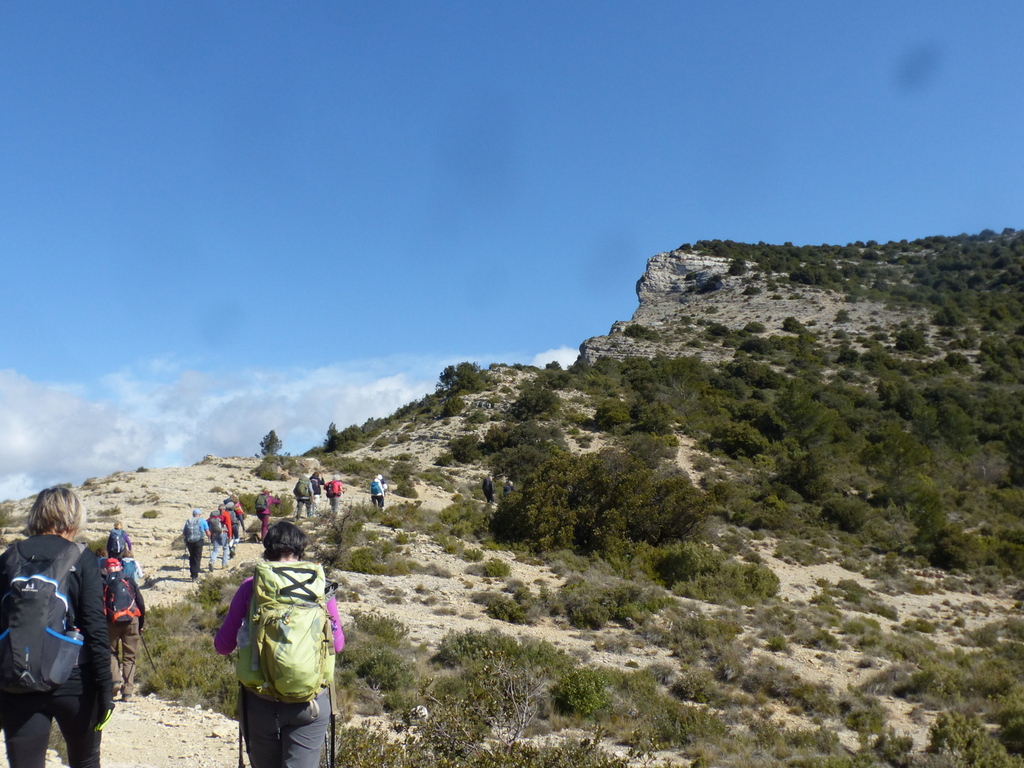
671	277
682	293
670	281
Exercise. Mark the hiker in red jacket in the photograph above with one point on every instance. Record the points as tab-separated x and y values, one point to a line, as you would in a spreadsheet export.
334	490
220	534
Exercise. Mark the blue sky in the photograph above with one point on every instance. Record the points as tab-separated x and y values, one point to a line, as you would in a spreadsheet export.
221	219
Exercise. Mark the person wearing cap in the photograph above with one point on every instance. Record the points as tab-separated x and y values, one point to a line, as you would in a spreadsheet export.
195	533
126	617
377	490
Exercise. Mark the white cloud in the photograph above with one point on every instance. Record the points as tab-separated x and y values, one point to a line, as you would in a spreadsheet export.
564	356
159	415
58	434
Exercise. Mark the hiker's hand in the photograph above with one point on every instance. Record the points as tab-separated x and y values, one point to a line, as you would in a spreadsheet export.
106	710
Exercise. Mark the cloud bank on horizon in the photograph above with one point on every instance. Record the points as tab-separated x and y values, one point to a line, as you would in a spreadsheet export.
55	434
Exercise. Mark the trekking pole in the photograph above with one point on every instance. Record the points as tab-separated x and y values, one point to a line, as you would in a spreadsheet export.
150	655
334	734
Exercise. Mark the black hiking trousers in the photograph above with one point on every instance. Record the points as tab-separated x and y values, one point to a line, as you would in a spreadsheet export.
195	557
26	723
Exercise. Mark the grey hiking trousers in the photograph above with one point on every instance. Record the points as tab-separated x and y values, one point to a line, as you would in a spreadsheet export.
282	735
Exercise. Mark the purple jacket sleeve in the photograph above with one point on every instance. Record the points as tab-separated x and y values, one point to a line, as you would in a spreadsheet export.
339	633
226	638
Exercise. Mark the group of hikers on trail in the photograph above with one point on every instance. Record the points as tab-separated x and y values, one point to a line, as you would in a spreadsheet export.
223	530
71	624
308	491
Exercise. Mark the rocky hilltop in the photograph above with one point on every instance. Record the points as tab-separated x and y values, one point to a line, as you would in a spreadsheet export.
684	290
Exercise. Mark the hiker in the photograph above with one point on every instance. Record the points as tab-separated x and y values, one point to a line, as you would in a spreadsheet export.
263	503
489	489
238	518
235	518
219	533
126	618
377	490
281	732
334	490
316	485
195	533
132	570
80	698
508	488
118	543
303	491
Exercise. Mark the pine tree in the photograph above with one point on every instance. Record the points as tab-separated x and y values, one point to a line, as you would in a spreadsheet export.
271	444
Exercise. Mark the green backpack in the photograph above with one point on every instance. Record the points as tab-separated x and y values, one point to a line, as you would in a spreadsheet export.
289	652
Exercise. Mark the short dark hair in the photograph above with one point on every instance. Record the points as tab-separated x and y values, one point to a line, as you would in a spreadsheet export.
284	539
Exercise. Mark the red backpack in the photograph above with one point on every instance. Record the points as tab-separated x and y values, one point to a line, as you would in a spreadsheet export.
334	488
119	599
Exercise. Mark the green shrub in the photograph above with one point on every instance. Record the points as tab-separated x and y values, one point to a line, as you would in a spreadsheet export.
590	602
611	413
702	573
466	519
496	569
463	649
582	692
6	513
599	503
365	560
382	628
381	666
465	449
966	742
504	608
535	402
186	666
644	332
453	406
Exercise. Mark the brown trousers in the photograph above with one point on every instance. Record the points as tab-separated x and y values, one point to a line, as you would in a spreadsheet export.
124	637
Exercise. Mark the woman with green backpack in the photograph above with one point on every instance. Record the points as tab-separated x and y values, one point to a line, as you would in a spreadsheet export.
279	620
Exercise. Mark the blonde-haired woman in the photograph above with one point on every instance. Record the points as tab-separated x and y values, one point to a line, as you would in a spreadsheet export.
83	699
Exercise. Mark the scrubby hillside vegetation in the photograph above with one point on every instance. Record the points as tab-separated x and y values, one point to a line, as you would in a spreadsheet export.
772	539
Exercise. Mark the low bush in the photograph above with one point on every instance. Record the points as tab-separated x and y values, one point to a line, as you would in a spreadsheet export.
462	649
696	571
186	666
590	602
496	569
582	692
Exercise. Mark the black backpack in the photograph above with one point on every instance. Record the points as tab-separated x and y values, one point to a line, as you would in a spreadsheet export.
39	644
116	543
216	526
119	599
